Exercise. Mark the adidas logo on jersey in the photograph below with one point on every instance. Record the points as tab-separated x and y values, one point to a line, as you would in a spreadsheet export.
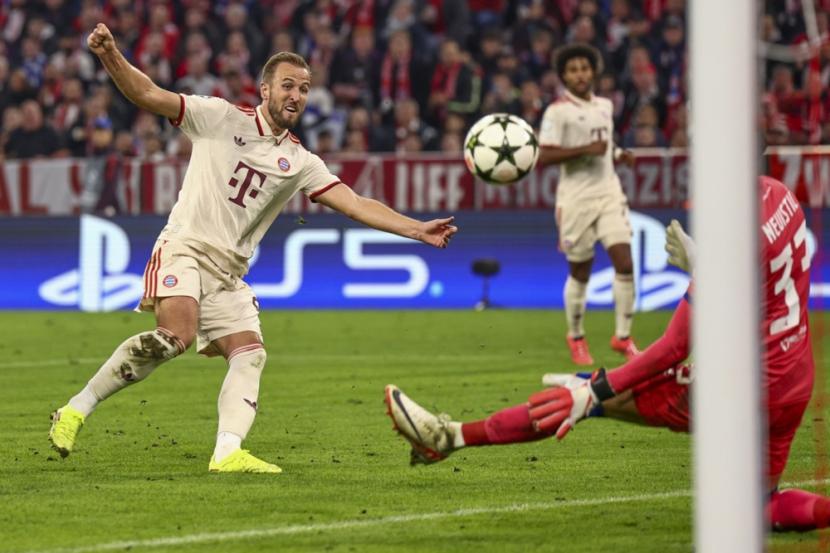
239	141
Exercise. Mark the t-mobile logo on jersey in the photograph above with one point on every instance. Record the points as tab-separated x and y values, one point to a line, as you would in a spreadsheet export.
245	187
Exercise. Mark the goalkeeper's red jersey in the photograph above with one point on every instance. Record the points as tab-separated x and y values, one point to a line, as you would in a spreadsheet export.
788	357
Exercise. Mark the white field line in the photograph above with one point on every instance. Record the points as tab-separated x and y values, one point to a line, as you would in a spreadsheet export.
351	524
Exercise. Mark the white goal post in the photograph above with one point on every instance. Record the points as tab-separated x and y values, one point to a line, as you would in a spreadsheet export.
727	412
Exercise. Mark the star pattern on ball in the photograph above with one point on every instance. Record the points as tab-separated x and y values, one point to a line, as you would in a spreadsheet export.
506	152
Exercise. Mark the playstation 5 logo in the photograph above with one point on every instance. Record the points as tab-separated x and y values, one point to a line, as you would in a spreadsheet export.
656	287
99	283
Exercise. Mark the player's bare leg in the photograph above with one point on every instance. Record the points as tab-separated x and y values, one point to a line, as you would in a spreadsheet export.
237	404
131	362
575	296
623	291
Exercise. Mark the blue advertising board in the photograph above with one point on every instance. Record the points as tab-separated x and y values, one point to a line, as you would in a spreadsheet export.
93	264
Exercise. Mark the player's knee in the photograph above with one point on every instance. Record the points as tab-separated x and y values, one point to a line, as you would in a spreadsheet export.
156	345
248	359
143	352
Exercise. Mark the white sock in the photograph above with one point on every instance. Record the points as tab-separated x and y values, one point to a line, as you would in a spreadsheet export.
623	291
131	362
575	299
457	435
226	443
238	398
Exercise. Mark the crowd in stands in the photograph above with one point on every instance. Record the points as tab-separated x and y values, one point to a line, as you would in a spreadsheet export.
387	75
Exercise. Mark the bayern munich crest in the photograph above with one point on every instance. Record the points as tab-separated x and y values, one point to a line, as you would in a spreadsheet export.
283	164
170	281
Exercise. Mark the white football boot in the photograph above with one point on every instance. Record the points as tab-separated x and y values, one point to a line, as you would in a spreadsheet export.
430	435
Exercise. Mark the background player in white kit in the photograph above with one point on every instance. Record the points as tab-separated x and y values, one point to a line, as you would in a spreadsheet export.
577	132
244	167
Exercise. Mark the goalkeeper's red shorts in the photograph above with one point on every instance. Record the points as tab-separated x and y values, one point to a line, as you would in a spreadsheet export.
664	401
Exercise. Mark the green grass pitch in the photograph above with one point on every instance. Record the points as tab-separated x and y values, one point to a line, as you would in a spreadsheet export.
138	479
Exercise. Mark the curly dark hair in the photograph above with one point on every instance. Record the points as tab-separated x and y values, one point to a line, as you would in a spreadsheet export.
568	52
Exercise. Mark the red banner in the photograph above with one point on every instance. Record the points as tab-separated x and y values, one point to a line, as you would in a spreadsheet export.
426	183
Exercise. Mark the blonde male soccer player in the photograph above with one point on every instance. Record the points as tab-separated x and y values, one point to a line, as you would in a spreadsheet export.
577	133
245	166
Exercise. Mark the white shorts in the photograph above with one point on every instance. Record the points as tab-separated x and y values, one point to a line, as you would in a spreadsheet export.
584	222
227	305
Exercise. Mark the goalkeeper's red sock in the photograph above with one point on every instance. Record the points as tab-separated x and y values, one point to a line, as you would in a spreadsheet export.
798	510
508	426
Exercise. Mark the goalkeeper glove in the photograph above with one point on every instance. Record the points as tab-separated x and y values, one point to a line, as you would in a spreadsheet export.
680	247
561	407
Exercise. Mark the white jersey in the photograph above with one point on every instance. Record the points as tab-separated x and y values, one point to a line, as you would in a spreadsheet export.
239	178
571	122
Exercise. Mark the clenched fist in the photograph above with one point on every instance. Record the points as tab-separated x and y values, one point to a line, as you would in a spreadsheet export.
100	40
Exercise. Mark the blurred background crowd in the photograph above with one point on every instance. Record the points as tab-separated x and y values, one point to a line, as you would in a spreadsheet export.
388	75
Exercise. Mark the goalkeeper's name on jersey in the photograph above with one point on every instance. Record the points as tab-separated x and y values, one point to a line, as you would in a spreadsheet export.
775	225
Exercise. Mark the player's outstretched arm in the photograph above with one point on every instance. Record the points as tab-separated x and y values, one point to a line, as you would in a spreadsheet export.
374	214
135	85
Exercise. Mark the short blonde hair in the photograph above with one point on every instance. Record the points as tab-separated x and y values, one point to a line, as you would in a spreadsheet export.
282	57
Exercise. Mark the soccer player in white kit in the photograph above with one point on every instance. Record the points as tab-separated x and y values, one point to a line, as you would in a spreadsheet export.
244	168
577	133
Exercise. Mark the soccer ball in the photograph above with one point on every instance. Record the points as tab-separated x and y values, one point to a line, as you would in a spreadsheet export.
500	148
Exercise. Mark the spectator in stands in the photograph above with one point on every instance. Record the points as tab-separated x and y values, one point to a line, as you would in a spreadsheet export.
618	30
197	80
452	144
446	19
669	54
195	44
196	20
12	117
645	132
237	21
355	142
160	28
456	87
773	123
783	89
607	88
4	83
537	60
152	59
237	88
408	122
354	73
583	31
72	59
369	125
32	61
644	90
403	75
531	104
101	169
532	20
402	17
487	55
69	109
33	138
325	143
502	96
814	110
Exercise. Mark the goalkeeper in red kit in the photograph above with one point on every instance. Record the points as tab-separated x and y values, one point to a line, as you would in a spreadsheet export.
653	388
